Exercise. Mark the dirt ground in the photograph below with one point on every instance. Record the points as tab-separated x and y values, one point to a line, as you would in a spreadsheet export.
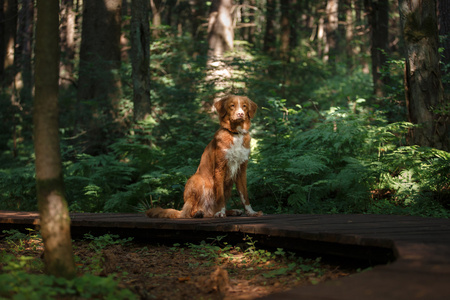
207	271
203	271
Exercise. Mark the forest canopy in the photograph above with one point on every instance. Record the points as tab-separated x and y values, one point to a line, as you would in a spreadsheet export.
343	125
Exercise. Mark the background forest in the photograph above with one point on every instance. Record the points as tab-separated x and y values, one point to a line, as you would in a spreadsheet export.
335	131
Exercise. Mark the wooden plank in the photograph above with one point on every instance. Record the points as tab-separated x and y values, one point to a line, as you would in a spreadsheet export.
421	246
380	283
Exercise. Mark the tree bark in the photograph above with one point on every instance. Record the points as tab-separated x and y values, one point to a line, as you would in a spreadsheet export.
444	31
378	19
68	23
331	31
269	35
349	33
220	40
24	50
220	28
8	29
140	59
197	10
424	91
99	86
54	215
156	17
285	30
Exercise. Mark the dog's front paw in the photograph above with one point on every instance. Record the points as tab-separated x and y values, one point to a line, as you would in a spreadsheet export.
235	212
255	214
251	213
220	214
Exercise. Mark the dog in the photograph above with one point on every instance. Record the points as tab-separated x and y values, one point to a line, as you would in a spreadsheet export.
223	163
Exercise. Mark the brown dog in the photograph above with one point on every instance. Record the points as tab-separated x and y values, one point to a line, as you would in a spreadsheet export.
223	163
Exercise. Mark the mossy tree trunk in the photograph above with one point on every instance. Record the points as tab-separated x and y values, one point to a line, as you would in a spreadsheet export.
54	215
423	86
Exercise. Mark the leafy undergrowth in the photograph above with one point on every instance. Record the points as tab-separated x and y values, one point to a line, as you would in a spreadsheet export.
114	268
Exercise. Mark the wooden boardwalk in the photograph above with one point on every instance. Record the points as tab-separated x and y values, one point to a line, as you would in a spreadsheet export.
415	251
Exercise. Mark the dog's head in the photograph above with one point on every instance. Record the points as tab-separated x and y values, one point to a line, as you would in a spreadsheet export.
235	112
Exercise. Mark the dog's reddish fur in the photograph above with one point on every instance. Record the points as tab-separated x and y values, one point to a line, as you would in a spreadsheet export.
223	163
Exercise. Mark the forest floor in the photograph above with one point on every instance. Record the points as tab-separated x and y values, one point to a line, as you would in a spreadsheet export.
210	270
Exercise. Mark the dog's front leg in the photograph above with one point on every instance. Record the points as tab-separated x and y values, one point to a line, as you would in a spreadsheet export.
219	195
241	185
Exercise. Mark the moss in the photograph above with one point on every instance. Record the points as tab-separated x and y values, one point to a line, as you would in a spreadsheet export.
416	28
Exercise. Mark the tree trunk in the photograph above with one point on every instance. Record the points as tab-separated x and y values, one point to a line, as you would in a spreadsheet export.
285	30
362	50
156	17
444	31
423	87
23	56
8	29
140	58
269	35
220	28
349	32
54	215
331	31
197	10
220	40
99	86
68	23
378	19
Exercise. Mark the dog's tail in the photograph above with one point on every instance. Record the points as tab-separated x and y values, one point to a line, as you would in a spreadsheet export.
159	212
188	211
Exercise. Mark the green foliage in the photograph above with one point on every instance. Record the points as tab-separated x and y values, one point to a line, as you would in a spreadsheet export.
18	241
101	242
21	275
22	285
321	143
343	163
218	252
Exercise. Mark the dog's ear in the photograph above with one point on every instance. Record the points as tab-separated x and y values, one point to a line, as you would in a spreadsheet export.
220	106
252	108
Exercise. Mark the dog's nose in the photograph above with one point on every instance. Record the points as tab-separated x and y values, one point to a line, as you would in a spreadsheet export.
240	114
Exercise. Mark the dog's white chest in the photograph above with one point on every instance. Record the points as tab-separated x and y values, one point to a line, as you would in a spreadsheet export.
236	155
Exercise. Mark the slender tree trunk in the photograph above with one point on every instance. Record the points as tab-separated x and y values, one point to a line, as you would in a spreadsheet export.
68	23
156	17
197	9
285	30
331	27
296	22
220	28
24	75
220	40
99	85
424	91
8	29
140	58
269	35
349	33
378	19
54	215
444	31
362	51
